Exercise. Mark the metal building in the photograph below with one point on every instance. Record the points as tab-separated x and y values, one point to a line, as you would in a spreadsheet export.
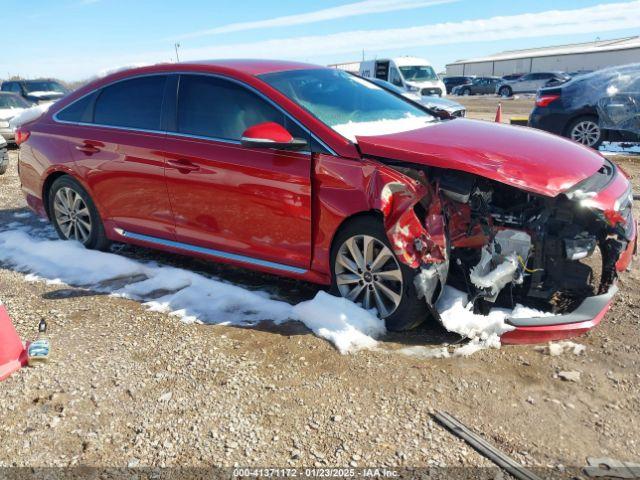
574	57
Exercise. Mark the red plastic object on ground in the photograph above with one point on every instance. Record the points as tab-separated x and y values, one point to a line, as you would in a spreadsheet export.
13	355
499	113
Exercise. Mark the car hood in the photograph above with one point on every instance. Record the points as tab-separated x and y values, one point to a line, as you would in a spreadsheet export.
522	157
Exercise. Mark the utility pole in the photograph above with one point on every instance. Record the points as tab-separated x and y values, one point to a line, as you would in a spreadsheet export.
177	46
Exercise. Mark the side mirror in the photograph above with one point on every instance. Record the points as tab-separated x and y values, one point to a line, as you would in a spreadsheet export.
271	135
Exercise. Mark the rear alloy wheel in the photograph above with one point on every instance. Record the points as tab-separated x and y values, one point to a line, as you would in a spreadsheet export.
466	92
74	214
586	131
366	271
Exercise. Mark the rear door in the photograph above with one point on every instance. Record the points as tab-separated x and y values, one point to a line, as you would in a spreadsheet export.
115	141
382	70
248	202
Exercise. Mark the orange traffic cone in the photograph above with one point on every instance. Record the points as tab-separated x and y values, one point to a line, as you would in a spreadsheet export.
13	356
499	113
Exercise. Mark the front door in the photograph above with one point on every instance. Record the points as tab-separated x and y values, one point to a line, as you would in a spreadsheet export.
249	202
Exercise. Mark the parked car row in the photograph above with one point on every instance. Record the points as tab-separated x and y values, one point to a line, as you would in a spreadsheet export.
505	86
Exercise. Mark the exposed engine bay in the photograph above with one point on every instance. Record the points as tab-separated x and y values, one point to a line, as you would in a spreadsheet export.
506	246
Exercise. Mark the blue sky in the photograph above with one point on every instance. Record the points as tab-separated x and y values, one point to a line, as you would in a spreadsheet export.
75	39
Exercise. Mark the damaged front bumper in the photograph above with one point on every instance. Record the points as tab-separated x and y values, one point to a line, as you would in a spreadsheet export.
587	316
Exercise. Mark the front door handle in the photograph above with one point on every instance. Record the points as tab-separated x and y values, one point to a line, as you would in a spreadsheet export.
87	148
183	166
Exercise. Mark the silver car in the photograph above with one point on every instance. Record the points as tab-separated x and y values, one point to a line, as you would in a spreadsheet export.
531	83
10	106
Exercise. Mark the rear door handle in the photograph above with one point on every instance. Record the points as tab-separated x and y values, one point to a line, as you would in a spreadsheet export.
183	166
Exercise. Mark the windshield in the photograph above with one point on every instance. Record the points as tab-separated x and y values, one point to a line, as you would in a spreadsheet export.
12	101
44	86
348	104
418	73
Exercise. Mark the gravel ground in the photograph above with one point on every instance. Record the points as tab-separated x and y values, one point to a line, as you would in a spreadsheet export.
128	387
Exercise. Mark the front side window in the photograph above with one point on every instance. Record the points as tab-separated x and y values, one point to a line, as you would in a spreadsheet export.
217	108
418	73
350	105
135	103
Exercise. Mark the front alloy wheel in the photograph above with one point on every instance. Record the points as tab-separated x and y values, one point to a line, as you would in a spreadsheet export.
586	132
367	272
72	215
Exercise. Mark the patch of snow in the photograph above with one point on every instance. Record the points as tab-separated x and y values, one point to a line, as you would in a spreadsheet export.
29	114
184	294
8	113
426	353
619	147
351	130
349	327
42	94
484	331
559	348
22	214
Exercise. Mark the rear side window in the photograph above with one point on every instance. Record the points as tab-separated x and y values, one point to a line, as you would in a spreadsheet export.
80	111
217	108
135	103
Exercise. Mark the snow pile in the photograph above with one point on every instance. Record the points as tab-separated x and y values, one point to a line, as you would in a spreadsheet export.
559	348
29	114
349	327
484	331
351	130
187	295
42	94
619	147
424	353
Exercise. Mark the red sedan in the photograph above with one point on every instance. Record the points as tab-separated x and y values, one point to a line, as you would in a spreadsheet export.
316	174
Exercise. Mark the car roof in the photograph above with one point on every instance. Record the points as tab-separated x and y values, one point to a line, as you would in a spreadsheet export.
252	67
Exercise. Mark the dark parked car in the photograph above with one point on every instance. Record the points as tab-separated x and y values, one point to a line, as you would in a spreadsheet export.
451	82
599	106
35	91
478	86
531	83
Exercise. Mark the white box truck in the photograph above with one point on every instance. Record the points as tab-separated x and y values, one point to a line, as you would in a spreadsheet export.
410	73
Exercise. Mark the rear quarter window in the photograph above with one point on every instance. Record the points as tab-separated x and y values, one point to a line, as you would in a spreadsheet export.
134	103
80	111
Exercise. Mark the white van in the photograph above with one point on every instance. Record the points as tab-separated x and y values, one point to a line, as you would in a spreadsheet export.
411	73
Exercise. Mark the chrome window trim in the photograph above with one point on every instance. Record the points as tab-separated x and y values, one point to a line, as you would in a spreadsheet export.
210	252
186	135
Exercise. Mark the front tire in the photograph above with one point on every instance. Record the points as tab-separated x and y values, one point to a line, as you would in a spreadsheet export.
586	130
366	271
74	215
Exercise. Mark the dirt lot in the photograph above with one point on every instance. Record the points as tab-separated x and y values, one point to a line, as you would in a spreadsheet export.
129	387
483	107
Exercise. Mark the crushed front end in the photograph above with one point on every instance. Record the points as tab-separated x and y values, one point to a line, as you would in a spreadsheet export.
505	246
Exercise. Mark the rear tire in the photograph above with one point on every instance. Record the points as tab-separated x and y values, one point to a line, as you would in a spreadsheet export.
74	215
585	130
353	280
505	92
465	92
